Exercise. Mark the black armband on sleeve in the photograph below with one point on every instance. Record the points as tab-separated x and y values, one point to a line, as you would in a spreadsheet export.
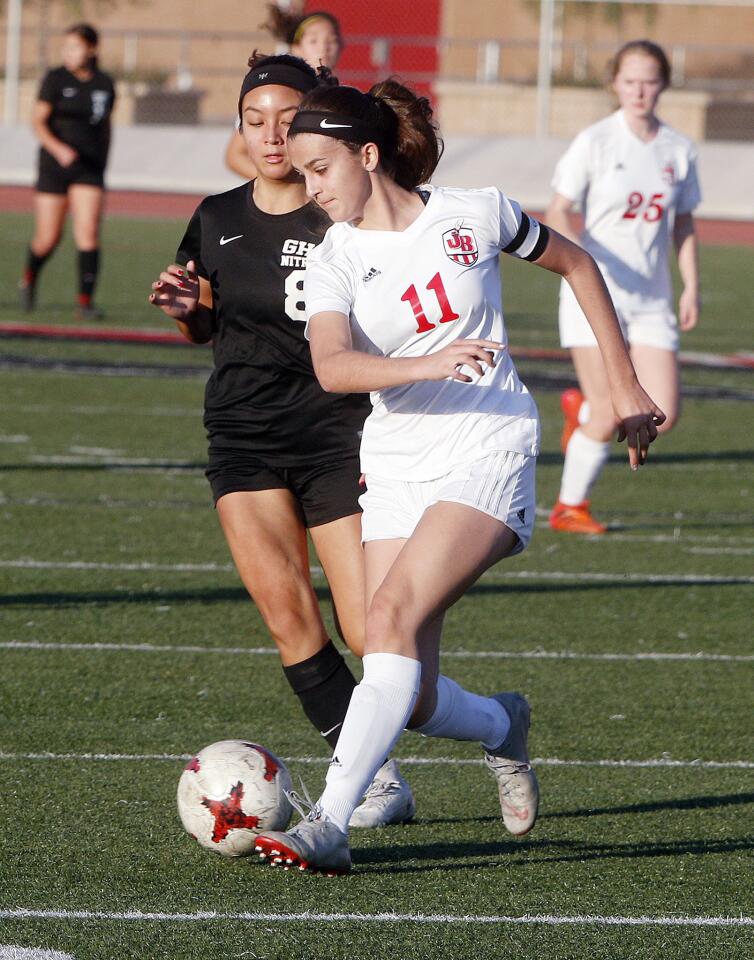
540	245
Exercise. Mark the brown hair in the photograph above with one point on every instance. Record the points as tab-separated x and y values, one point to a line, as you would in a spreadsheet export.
290	27
649	49
402	125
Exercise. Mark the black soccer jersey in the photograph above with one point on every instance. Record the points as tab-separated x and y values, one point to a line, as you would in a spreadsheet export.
80	110
263	397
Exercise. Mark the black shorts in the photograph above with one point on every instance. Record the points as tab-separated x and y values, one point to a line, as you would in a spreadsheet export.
325	491
56	179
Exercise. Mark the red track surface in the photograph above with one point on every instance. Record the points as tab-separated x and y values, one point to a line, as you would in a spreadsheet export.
180	206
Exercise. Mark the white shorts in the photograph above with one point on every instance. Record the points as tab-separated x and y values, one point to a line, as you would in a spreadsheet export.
654	329
501	485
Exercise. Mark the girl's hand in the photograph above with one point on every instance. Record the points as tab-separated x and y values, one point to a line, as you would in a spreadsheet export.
447	363
177	291
688	309
638	420
65	155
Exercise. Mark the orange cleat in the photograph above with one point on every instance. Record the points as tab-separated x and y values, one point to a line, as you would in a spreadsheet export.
570	404
576	519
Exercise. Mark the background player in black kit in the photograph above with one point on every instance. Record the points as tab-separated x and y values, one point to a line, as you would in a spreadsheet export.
72	123
283	454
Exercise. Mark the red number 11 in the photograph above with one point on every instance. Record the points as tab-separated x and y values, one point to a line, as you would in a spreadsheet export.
412	298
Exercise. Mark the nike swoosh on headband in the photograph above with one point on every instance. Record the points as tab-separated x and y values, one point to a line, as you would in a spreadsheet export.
332	126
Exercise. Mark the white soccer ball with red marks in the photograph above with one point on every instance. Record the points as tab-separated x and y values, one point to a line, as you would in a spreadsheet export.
231	791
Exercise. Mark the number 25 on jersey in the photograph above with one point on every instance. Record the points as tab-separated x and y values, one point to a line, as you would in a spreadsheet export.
636	207
411	297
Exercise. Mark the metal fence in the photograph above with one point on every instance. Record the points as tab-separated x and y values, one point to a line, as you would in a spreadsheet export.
541	71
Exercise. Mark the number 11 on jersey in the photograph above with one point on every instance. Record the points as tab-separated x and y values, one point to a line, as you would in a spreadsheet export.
411	297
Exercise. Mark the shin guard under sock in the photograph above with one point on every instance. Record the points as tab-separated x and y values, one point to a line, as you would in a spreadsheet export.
323	684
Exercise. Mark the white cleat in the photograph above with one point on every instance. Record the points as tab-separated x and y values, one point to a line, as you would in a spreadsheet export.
314	844
509	764
388	800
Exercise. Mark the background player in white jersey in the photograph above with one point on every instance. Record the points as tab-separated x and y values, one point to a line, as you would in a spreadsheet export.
404	300
316	38
636	180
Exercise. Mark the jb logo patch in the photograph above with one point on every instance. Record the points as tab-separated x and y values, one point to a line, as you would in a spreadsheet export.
460	245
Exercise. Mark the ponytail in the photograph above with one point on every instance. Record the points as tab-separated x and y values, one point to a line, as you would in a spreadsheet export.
417	148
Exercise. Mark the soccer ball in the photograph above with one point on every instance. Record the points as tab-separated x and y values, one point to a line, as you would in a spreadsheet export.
231	791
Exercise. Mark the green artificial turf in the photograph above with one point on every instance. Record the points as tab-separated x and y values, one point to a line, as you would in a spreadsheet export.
107	536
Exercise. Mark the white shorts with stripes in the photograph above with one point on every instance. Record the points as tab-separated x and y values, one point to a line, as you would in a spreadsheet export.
501	485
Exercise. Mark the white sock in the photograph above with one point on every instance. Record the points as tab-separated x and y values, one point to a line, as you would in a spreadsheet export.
460	715
584	460
379	710
585	411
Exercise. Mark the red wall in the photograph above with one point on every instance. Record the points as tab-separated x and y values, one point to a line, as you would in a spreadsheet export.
415	23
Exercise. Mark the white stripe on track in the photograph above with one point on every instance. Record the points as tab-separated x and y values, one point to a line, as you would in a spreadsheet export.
447	918
660	762
547	575
699	657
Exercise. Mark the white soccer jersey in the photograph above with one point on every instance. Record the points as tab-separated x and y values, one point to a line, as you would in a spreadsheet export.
630	192
410	293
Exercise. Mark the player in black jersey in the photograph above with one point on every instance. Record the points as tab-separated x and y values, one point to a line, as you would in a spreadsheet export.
316	38
283	454
72	123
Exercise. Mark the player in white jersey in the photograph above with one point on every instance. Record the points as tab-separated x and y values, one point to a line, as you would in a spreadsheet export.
636	180
403	299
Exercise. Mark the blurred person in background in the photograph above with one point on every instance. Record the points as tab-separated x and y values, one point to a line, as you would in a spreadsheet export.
316	38
71	120
283	454
636	180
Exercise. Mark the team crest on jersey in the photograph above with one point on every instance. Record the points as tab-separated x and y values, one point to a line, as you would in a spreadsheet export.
460	245
668	174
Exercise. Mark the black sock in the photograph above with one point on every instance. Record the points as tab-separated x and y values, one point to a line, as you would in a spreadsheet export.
324	685
34	264
88	269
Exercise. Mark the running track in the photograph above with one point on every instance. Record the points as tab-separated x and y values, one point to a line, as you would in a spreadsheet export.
180	206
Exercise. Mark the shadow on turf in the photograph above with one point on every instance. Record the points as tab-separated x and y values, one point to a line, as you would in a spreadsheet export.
239	595
686	803
420	858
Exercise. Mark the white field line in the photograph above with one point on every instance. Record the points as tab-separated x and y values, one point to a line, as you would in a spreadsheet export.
654	657
726	544
103	501
114	461
730	546
308	916
717	551
9	951
676	537
663	762
556	575
92	410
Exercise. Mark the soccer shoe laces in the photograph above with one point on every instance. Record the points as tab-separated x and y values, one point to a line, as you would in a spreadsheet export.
306	808
380	788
